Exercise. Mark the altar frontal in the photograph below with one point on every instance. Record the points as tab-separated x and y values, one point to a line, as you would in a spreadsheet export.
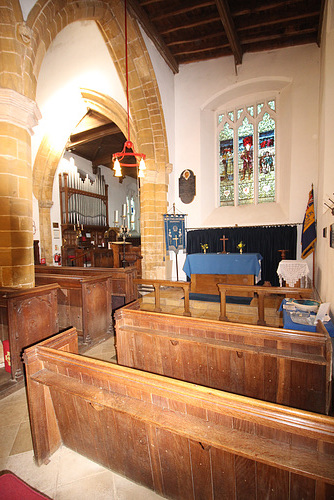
206	270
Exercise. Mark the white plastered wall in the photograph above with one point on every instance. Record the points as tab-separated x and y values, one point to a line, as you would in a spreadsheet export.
324	253
77	58
202	89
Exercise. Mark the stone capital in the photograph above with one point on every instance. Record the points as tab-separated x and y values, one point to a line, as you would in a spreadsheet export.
45	204
18	109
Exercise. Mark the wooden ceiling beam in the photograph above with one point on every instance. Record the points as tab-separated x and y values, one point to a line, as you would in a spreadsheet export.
153	34
185	9
92	134
195	24
202	50
190	39
229	28
257	22
265	6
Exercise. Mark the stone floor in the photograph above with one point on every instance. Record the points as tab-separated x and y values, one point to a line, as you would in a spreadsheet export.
68	476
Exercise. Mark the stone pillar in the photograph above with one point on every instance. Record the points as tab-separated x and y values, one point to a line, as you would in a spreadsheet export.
45	230
153	204
18	115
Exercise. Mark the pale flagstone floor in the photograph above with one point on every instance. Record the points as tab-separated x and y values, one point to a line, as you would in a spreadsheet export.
68	475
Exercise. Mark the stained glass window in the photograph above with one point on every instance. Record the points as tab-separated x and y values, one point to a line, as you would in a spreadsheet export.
247	154
226	165
245	163
266	159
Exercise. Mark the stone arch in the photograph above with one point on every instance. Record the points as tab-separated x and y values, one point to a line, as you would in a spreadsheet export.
48	157
44	22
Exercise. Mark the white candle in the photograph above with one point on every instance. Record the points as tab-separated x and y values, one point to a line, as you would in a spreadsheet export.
124	210
116	216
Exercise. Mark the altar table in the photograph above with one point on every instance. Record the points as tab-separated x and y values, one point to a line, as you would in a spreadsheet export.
293	272
206	270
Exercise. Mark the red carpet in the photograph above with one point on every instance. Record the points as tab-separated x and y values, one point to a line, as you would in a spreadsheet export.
13	488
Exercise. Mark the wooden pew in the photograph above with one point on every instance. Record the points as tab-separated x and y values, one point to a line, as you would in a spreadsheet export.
184	441
83	302
121	280
26	317
261	292
158	284
281	366
235	290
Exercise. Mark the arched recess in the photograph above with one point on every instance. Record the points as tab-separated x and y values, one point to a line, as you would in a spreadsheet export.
45	21
49	155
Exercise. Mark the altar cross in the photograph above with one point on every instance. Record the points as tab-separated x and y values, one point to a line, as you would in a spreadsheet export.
223	239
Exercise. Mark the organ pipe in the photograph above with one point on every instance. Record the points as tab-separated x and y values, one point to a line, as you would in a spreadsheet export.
82	201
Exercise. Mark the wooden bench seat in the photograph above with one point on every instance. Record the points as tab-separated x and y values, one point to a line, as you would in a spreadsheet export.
183	441
281	366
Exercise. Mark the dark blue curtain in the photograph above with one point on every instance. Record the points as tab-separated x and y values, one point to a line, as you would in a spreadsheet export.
266	240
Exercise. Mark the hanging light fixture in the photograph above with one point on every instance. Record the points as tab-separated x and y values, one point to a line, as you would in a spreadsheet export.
128	148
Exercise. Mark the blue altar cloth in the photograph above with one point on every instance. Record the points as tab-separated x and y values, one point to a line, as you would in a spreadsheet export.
288	324
226	263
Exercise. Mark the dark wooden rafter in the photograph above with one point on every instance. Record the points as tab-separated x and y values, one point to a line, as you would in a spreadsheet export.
185	8
228	24
201	50
153	34
262	7
275	19
92	135
321	21
185	38
194	24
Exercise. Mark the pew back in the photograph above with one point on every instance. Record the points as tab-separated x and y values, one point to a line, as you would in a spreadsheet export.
121	280
83	302
27	316
182	440
281	366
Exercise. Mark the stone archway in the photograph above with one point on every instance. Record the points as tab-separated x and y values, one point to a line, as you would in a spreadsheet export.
49	156
31	40
146	113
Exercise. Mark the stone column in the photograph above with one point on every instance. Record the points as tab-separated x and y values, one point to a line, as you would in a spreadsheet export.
45	230
18	114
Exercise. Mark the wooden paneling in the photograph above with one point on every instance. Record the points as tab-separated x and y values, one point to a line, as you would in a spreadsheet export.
281	366
27	316
121	280
207	283
182	440
84	302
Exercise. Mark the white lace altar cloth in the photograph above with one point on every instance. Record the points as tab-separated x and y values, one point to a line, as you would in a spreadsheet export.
291	271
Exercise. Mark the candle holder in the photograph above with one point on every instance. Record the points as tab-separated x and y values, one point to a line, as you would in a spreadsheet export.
124	233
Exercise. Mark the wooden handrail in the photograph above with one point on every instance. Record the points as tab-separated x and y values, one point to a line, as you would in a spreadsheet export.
167	283
261	292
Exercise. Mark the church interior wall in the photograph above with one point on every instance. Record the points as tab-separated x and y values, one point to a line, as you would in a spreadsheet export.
190	100
202	89
198	87
77	58
325	219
